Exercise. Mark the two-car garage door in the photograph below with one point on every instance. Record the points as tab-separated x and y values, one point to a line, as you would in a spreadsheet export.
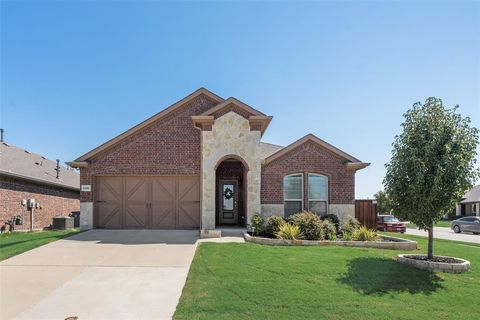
157	202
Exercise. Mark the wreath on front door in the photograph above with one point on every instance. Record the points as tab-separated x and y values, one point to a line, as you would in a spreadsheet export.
228	193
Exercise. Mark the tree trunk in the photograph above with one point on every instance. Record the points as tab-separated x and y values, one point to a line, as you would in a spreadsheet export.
430	242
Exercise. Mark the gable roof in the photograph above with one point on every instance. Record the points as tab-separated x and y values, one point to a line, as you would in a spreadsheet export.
267	149
236	103
352	162
22	164
472	195
152	119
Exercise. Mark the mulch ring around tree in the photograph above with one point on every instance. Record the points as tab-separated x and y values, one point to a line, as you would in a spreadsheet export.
435	259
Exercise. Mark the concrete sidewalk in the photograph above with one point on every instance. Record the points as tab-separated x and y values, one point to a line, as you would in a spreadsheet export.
99	274
446	234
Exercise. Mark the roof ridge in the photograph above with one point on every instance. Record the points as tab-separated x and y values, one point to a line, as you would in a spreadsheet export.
157	116
272	144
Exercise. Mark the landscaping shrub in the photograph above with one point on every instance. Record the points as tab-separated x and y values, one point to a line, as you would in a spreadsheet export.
329	230
289	231
273	225
347	236
351	225
364	234
257	224
333	219
310	225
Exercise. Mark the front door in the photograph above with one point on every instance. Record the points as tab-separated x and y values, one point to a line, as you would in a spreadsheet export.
228	198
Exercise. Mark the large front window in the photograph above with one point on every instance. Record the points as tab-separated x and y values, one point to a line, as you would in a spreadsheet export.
317	193
293	194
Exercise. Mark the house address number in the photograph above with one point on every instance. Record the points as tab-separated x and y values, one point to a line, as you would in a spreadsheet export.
86	188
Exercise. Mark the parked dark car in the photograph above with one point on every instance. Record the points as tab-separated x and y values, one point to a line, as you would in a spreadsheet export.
466	224
390	223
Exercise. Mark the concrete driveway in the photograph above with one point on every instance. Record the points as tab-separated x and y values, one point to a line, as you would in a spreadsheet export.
447	234
99	274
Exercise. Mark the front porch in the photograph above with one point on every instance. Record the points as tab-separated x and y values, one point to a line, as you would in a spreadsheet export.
230	198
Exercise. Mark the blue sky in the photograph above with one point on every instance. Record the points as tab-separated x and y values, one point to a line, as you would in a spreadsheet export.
75	74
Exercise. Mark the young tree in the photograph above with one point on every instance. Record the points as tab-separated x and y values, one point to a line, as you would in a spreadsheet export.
383	202
432	164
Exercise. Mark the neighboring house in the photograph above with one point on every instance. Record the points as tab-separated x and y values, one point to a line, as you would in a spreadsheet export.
25	175
470	203
200	164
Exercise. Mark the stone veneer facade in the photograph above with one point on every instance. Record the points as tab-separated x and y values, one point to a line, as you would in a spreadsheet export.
230	137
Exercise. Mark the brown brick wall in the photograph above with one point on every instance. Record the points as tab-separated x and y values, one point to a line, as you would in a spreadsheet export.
313	158
170	146
54	201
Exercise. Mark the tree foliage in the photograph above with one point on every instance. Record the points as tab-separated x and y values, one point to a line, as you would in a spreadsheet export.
432	164
383	202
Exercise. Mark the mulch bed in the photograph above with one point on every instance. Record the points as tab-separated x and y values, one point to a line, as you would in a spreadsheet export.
435	259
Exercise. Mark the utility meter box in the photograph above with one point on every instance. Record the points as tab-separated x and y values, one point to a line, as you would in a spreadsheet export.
31	203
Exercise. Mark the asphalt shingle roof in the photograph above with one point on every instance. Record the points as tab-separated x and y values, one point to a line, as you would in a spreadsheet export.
16	162
267	149
472	195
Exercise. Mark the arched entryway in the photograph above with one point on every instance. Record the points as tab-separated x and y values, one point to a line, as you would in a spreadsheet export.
231	192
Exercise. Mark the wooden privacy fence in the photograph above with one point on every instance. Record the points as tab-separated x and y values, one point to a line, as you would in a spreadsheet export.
366	213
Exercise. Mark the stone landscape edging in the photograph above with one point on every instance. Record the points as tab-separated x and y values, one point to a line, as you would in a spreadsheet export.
393	243
435	266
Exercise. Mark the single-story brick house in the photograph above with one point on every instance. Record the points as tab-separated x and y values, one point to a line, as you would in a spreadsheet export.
200	163
469	205
26	175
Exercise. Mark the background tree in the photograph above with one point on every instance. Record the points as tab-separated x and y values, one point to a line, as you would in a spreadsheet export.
432	164
383	202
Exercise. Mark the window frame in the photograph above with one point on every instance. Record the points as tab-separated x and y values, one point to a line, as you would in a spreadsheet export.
302	193
318	200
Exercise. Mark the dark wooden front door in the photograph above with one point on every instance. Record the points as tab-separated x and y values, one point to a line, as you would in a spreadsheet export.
228	202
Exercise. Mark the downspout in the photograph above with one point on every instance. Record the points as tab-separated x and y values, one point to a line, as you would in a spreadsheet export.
201	175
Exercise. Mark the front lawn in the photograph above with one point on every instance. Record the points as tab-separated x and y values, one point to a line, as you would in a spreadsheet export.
441	223
250	281
19	242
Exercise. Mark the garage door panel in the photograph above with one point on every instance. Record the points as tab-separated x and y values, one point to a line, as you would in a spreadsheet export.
188	189
108	216
163	202
109	202
163	215
188	215
163	189
136	202
188	202
109	188
136	189
135	216
148	202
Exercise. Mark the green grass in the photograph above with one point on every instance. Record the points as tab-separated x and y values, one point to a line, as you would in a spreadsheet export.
19	242
441	223
249	281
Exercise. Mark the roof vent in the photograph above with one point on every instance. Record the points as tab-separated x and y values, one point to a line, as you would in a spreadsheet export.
57	168
26	151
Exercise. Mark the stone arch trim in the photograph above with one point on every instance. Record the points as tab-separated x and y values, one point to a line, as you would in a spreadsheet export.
233	156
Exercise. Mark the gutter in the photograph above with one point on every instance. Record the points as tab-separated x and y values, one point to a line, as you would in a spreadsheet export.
39	181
